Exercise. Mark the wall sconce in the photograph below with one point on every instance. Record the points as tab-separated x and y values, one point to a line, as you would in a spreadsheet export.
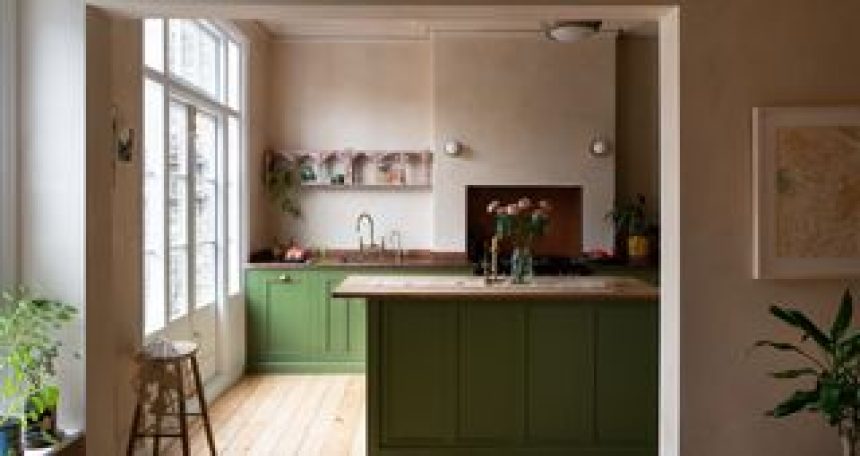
123	137
599	147
453	148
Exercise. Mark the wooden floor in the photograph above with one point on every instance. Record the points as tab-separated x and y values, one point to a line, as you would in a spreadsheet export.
283	415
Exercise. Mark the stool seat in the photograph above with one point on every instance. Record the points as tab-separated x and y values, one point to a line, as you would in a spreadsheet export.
161	364
169	350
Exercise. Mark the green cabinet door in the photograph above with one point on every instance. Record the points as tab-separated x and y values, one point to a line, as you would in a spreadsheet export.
417	365
280	310
343	322
626	375
560	374
491	373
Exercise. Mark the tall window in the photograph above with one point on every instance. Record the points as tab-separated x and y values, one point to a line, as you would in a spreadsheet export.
192	138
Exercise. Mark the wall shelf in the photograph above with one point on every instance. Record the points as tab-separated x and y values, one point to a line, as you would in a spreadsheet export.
364	169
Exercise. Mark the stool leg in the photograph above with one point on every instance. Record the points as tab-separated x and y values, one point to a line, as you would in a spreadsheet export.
132	433
183	418
204	412
156	438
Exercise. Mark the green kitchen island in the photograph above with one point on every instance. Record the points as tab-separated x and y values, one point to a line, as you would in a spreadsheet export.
561	366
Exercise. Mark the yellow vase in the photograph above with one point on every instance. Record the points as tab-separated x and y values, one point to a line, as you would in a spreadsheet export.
638	249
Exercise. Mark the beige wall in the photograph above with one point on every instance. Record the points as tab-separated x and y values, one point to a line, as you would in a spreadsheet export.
372	95
52	174
527	109
260	223
637	151
114	229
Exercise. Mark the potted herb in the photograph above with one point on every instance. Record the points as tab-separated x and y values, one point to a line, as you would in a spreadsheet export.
631	229
833	387
28	350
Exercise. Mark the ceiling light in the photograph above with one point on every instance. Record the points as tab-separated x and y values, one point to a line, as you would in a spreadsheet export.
569	31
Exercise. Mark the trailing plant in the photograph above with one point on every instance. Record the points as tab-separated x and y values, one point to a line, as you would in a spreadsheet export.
29	347
832	368
281	182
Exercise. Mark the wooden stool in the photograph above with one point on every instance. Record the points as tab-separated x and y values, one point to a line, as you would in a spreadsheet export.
165	361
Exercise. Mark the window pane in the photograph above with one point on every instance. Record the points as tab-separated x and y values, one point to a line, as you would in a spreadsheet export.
234	274
195	56
178	282
206	207
153	201
177	208
233	82
153	43
206	276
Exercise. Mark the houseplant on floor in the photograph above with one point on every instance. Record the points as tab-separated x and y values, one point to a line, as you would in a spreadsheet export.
833	371
28	350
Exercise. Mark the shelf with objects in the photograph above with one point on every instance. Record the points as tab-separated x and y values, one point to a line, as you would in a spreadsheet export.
361	169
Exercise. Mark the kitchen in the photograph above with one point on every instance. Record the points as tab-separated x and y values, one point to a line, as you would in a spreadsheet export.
396	152
374	149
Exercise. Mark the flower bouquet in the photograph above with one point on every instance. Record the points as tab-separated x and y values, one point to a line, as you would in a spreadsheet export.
521	222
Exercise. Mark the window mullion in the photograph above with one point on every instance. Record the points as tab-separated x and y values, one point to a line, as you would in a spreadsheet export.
191	196
166	176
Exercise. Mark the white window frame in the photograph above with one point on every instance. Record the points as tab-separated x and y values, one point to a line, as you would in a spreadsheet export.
177	88
8	142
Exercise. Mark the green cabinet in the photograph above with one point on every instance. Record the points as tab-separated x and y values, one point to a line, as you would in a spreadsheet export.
513	378
343	321
279	309
294	324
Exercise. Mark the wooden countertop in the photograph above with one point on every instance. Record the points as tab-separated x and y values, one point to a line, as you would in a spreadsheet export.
600	287
350	259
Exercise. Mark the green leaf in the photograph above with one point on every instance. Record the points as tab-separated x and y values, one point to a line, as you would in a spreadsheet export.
797	402
794	373
797	319
843	317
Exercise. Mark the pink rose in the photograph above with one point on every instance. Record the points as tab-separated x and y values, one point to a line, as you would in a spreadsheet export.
524	203
513	209
493	206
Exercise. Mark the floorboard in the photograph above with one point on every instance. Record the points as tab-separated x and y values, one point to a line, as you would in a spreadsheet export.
286	415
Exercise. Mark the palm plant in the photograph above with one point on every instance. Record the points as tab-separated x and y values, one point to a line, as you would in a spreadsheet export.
834	391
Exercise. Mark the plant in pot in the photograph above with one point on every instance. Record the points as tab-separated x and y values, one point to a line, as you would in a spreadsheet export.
833	387
631	230
29	348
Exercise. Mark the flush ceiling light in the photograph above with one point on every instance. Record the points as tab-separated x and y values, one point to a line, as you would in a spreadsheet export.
570	31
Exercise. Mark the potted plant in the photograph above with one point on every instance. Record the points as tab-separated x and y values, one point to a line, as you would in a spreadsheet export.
833	389
521	222
28	350
631	229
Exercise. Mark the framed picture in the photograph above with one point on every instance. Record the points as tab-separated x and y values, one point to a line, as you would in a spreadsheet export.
806	192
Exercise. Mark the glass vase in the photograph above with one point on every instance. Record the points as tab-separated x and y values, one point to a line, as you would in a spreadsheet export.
522	265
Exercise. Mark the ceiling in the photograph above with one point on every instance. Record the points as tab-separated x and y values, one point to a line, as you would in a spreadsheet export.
405	28
295	21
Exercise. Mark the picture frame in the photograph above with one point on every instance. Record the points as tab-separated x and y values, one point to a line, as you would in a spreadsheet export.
806	192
